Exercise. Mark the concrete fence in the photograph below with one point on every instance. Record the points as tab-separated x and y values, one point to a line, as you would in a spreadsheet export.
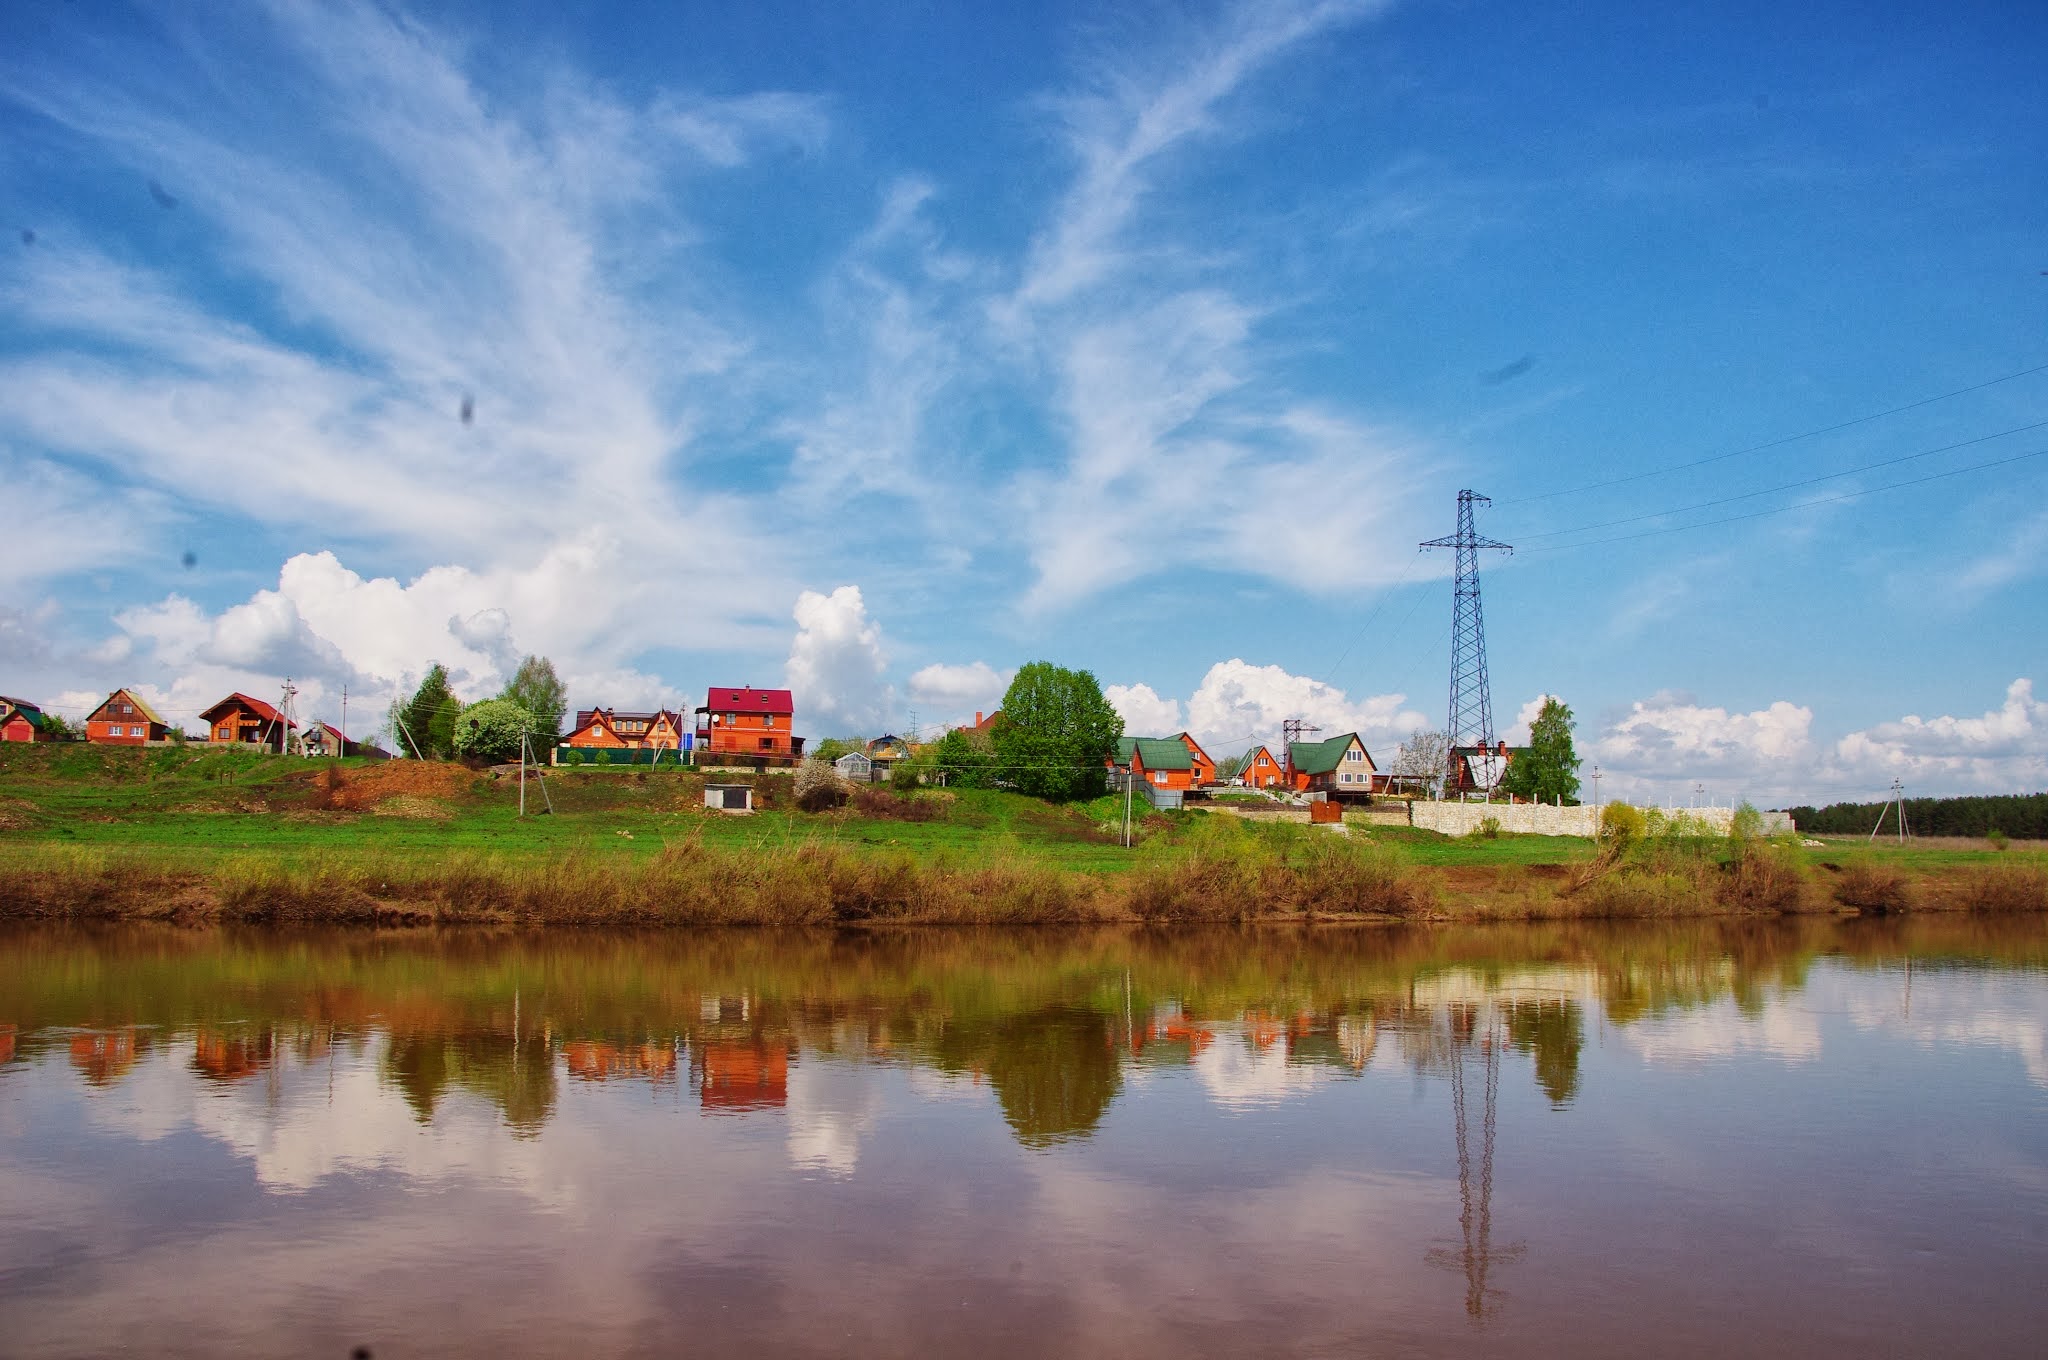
1542	819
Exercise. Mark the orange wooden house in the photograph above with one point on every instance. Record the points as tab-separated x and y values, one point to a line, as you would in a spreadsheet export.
249	722
608	729
1340	767
122	719
747	726
1259	770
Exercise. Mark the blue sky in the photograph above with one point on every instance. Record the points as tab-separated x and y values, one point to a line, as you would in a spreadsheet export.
877	349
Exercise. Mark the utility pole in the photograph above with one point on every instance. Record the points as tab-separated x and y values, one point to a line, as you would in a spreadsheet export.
1291	731
1596	786
344	722
1899	797
1471	706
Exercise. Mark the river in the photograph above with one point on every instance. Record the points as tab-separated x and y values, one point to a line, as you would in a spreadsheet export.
1807	1137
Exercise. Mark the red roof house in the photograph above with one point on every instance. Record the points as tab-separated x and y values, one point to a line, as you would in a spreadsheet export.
747	726
239	718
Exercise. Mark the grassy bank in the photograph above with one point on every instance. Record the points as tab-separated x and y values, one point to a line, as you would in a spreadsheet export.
204	835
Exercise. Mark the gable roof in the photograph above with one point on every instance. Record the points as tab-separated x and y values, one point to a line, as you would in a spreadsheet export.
136	699
256	706
13	705
1159	753
1321	757
589	718
748	700
1194	747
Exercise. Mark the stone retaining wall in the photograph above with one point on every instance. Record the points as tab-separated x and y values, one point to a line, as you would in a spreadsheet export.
1541	819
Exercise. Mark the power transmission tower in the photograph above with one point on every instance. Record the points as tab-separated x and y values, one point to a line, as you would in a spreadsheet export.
1471	708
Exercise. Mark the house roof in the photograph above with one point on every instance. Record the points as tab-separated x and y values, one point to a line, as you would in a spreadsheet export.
9	705
1193	746
1321	757
256	706
584	715
136	699
1158	753
748	700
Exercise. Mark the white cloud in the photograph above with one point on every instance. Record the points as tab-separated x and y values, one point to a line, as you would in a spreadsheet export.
1666	743
1238	704
1145	714
837	667
950	695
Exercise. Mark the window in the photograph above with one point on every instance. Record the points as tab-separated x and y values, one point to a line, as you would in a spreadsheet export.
225	733
1159	777
1354	754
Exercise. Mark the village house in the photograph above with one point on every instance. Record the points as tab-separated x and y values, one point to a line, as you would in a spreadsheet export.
1477	769
1339	767
1259	770
246	721
1155	761
20	720
122	719
747	726
659	730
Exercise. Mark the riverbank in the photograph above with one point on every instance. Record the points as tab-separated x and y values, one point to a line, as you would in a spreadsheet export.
200	835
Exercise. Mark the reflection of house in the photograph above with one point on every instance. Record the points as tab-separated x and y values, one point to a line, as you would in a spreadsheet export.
734	1077
122	719
1339	767
661	729
241	719
106	1057
221	1057
20	720
749	726
596	1060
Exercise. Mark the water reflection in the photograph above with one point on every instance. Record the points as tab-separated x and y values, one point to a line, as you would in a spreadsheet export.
1189	1143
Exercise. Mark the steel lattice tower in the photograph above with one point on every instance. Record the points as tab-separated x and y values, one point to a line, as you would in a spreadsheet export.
1471	711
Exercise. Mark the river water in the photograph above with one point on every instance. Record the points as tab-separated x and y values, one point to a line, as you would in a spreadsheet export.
1805	1138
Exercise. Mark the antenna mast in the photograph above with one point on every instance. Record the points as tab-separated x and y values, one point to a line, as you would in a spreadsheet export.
1471	707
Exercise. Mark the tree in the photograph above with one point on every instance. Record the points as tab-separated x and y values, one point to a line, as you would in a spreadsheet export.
1547	770
1057	733
819	785
831	748
536	688
1424	758
965	758
425	724
492	730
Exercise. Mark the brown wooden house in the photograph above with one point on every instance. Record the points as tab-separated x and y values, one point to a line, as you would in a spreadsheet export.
122	719
250	722
607	728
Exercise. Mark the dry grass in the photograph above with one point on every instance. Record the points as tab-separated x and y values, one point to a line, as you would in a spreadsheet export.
2015	885
1872	885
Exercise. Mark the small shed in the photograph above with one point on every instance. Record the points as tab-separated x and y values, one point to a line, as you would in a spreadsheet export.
729	797
855	768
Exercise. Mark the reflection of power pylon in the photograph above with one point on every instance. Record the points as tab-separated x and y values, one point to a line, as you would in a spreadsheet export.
1475	1203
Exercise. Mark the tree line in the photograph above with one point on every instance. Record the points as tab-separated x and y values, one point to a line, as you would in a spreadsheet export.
2023	815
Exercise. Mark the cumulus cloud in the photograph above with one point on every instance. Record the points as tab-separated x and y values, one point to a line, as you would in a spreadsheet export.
837	666
1663	745
1145	713
1238	704
951	695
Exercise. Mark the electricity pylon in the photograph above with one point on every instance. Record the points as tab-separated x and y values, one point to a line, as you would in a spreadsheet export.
1471	708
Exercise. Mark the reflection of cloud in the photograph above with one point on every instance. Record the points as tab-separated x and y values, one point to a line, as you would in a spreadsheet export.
1785	1031
310	1121
832	1107
1240	1076
1991	1010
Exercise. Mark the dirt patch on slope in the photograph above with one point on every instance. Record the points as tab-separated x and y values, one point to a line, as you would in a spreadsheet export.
333	788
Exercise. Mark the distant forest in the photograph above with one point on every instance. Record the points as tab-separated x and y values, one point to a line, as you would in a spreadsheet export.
2023	816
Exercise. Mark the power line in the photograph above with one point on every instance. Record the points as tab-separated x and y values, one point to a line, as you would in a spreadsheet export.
1797	505
1781	442
1788	486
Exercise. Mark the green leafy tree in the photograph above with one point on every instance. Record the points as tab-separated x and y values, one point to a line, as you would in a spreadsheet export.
424	725
536	688
1548	770
492	730
1057	733
831	748
966	761
56	728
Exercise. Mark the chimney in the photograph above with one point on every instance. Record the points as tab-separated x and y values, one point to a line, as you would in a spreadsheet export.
977	717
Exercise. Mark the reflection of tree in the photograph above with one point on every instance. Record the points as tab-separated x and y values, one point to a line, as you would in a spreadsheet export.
1555	1031
515	1074
1054	1070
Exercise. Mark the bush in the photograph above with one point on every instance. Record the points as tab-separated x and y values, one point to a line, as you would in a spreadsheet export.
1997	839
1870	885
2010	886
1488	829
1746	825
819	786
1621	825
1763	877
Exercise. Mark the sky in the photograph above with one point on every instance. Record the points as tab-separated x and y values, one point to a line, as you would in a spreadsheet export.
876	349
